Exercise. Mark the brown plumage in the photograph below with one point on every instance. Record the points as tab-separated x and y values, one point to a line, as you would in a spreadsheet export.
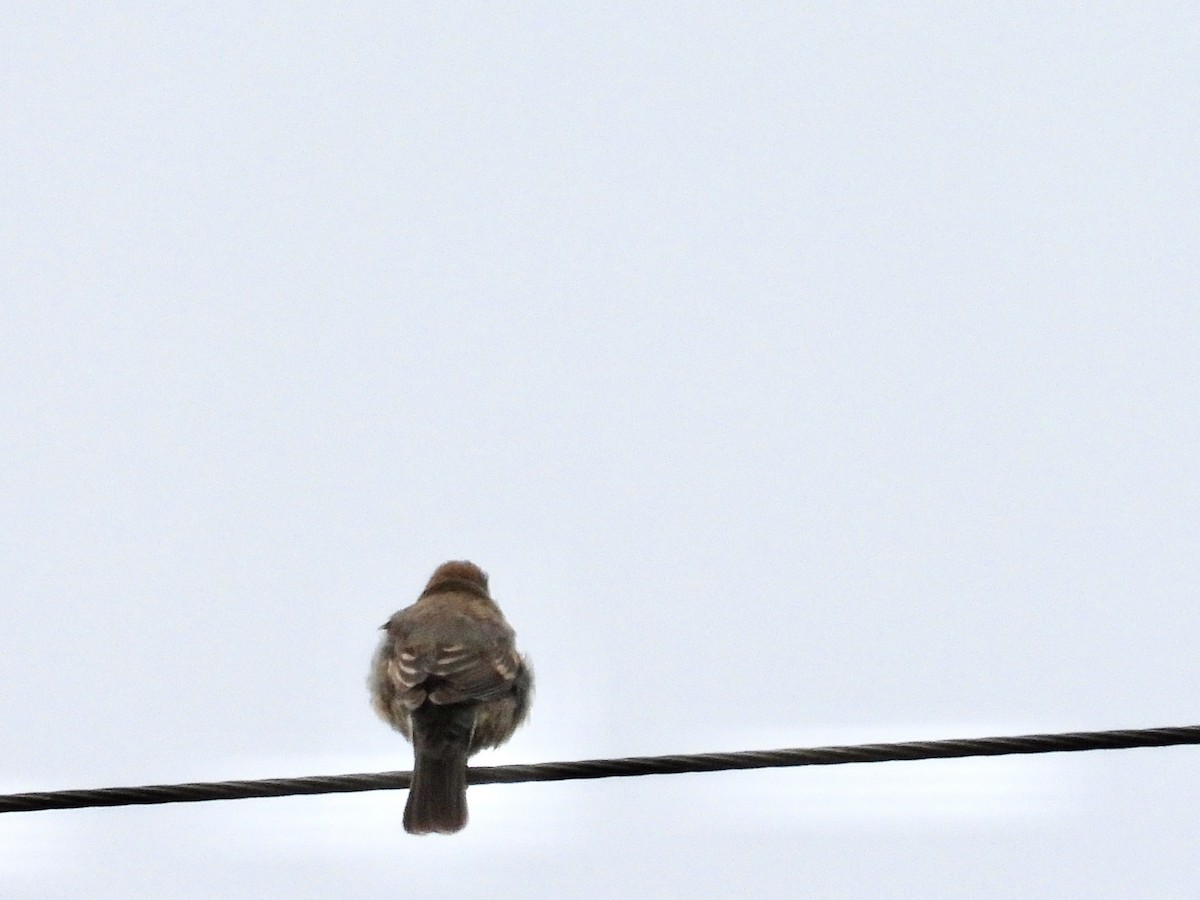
448	677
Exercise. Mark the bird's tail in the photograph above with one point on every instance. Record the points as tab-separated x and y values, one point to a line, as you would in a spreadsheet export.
437	798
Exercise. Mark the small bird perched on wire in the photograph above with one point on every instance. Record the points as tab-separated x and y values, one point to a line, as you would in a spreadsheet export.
447	676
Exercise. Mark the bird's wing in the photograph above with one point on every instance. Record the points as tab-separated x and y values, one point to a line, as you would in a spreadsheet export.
451	658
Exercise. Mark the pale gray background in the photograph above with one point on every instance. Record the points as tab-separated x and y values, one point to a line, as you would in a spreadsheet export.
801	374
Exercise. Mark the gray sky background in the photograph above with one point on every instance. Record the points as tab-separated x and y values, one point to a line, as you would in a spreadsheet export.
801	373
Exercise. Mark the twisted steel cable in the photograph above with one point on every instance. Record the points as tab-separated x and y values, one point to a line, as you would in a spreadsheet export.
612	768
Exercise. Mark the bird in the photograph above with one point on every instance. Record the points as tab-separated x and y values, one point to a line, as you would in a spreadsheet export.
448	676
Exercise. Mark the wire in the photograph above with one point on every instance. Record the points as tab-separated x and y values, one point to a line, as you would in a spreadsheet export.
611	768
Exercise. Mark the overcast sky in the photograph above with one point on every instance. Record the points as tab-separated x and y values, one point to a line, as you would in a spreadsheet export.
801	374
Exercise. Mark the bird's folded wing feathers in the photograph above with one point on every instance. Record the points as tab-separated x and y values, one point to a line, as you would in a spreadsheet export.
454	673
